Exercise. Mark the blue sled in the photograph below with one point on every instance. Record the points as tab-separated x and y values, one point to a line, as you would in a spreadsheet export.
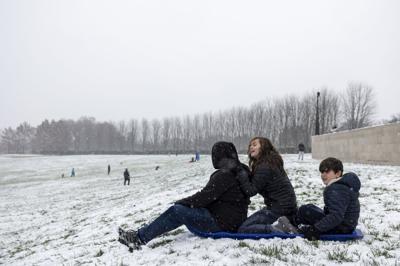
357	234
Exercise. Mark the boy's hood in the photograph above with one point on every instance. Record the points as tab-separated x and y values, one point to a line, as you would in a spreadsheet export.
224	155
351	180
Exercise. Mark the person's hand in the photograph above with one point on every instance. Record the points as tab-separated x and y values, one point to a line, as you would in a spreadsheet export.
242	175
310	232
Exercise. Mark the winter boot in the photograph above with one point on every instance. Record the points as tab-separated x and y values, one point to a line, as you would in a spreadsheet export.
130	239
285	226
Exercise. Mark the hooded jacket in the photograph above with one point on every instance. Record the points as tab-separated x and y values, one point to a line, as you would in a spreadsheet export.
342	208
222	195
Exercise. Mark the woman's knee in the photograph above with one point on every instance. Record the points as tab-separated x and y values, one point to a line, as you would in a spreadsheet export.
179	209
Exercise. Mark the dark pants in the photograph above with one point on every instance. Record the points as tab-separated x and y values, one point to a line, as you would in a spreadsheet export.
310	214
175	216
127	180
259	222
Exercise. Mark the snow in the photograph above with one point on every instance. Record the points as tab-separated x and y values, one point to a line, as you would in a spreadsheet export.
47	220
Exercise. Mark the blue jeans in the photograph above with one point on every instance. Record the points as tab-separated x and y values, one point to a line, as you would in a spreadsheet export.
177	215
259	222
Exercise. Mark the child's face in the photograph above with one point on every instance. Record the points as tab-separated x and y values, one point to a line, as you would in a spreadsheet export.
329	175
255	148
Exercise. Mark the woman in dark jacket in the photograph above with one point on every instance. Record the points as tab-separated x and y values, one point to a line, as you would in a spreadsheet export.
219	206
268	178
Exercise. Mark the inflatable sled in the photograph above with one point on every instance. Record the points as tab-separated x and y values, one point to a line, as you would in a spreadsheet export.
357	234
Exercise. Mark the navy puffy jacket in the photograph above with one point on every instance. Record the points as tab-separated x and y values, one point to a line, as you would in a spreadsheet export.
342	208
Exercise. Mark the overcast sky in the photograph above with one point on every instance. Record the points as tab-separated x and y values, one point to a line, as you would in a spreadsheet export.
116	60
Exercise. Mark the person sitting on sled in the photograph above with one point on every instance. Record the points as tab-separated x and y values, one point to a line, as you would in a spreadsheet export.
342	207
219	206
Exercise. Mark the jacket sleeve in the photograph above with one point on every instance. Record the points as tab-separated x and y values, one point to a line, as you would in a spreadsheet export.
216	186
336	199
260	179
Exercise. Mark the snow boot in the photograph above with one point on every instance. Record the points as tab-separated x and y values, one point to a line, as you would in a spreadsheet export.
130	239
285	226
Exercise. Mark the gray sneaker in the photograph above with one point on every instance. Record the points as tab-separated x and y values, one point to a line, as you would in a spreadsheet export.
285	226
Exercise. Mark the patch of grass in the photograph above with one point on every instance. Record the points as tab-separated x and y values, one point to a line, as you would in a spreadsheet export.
259	261
171	251
99	253
16	250
339	256
296	250
46	242
205	257
395	227
374	233
69	233
392	245
243	244
175	232
393	209
273	251
377	252
140	221
161	243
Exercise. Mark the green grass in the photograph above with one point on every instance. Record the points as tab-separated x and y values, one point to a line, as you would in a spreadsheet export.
259	261
395	227
381	252
175	232
243	244
339	256
272	251
99	253
161	243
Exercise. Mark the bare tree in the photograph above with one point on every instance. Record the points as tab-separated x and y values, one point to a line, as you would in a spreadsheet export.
156	129
358	105
132	135
145	133
395	118
166	133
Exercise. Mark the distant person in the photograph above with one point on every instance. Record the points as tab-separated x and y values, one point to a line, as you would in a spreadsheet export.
197	156
192	160
73	172
62	175
301	151
342	207
127	177
157	167
108	169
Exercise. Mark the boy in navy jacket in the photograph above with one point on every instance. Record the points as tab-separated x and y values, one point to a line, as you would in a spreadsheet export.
342	208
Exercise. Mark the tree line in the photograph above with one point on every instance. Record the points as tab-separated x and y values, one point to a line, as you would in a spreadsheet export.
287	121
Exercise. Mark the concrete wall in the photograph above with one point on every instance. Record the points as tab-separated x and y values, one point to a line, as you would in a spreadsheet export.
372	145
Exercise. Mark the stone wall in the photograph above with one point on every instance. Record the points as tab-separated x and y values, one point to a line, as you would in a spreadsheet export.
372	145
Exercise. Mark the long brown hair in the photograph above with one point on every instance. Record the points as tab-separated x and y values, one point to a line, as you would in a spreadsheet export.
268	155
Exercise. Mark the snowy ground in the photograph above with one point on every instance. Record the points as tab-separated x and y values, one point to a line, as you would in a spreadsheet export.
46	220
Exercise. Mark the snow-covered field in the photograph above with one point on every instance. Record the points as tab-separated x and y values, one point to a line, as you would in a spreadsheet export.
46	220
